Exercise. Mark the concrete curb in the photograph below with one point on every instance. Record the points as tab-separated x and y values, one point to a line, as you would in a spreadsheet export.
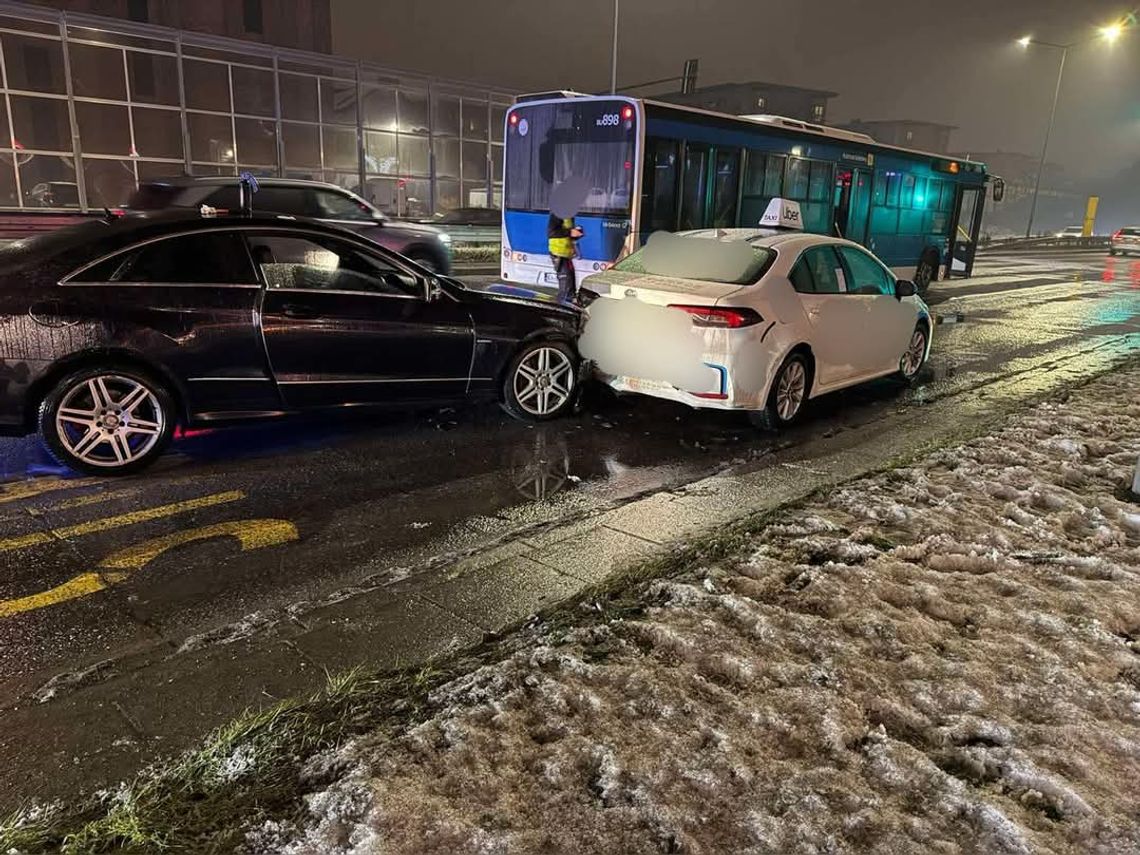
128	712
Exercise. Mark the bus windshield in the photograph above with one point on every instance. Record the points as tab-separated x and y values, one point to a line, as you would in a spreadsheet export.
591	139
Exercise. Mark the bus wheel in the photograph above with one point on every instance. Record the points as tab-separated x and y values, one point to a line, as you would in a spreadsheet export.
926	271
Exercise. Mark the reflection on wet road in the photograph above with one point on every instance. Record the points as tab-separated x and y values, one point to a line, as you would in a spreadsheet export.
371	497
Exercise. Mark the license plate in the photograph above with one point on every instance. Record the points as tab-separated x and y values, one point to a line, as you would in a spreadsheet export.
637	384
550	278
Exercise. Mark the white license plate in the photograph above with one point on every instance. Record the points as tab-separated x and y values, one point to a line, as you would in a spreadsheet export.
550	278
637	384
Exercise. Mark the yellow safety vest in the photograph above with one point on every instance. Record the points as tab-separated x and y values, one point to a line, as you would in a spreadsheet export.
563	247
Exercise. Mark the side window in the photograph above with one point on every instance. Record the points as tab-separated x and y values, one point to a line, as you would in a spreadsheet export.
271	200
334	206
826	271
866	275
208	258
320	263
801	277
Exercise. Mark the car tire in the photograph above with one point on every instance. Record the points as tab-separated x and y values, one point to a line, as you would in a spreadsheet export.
926	271
427	261
790	389
541	381
107	420
914	357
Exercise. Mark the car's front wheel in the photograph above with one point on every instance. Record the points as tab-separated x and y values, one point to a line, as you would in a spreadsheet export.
107	421
789	393
541	381
914	356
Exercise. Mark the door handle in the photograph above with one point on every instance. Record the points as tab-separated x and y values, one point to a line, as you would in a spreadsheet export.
297	310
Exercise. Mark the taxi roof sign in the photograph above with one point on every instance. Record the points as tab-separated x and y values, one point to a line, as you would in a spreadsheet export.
782	214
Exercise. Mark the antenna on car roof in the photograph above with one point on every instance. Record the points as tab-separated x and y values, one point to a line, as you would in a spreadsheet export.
247	186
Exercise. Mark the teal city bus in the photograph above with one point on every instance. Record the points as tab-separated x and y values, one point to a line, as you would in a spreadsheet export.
653	166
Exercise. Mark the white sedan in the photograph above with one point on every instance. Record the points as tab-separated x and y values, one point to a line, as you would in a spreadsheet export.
755	321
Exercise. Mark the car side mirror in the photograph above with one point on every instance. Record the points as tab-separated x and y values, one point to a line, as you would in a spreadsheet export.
434	290
999	190
905	288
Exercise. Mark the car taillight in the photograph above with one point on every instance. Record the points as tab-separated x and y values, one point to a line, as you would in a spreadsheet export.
1117	233
725	318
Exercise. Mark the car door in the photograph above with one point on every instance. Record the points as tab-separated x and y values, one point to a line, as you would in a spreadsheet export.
833	315
345	325
886	322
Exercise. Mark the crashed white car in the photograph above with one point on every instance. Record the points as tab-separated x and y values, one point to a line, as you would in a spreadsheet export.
750	319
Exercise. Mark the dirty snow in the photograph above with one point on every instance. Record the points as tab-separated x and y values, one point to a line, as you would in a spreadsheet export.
942	658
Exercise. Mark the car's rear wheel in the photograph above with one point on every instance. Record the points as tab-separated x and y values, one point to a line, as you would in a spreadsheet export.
789	392
107	420
541	381
925	272
915	355
427	261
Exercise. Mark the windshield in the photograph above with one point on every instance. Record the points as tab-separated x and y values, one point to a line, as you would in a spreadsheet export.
733	262
548	143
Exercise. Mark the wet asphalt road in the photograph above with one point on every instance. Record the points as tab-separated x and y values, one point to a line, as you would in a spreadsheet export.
320	504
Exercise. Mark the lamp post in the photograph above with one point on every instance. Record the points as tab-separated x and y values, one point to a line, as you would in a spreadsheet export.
1110	34
613	58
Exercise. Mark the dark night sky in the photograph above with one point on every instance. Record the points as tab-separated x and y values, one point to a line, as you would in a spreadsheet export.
953	62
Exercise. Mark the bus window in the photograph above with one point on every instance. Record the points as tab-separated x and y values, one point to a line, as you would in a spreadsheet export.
660	186
797	183
819	181
948	190
879	194
893	189
694	184
921	200
774	176
906	195
725	186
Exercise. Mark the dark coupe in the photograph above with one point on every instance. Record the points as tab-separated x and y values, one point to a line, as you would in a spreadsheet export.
115	331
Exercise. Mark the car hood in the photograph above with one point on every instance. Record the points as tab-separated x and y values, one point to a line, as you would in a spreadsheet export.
518	299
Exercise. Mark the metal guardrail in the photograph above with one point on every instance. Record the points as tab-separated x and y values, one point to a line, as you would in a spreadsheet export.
1050	242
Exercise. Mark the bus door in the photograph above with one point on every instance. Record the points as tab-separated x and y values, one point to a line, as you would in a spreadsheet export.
710	187
966	225
852	203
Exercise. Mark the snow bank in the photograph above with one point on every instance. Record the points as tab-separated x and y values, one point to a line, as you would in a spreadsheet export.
943	658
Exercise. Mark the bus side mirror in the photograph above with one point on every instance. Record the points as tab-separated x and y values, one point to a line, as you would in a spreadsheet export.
999	190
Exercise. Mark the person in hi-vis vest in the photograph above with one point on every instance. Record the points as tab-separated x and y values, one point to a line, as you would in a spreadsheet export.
562	234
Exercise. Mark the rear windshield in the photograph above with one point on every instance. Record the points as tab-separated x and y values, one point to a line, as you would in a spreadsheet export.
733	262
1131	232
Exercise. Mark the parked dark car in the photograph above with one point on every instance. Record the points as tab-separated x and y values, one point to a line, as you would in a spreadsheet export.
427	246
114	331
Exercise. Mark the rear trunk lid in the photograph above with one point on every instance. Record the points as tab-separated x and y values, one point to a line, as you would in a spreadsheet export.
659	290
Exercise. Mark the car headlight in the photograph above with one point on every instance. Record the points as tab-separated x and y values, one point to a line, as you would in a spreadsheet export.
445	238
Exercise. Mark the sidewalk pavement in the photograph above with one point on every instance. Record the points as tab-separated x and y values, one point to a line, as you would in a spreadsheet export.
101	725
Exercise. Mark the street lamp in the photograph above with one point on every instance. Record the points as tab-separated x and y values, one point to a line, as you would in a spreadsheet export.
1109	34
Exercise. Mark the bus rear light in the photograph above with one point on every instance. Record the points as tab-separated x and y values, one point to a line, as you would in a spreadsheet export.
627	112
520	256
506	253
514	119
712	316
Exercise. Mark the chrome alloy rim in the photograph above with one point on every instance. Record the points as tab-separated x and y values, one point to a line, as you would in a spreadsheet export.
790	390
543	381
109	420
912	359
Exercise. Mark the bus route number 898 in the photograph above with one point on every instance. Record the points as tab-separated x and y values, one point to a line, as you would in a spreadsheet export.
609	120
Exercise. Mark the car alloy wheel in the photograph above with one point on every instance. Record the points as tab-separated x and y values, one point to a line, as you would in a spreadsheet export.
791	389
915	355
541	381
107	421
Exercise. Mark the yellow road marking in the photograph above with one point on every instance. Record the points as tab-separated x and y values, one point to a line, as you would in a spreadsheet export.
250	534
25	489
79	529
92	499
